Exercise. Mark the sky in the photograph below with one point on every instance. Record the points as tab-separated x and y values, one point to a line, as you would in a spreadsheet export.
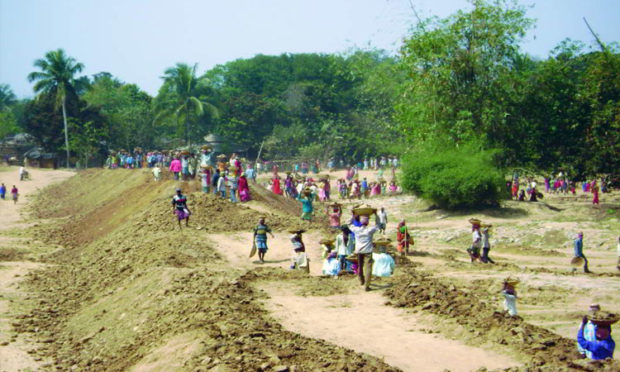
136	40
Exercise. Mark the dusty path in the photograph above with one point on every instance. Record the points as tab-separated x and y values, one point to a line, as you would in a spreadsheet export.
358	321
13	352
363	323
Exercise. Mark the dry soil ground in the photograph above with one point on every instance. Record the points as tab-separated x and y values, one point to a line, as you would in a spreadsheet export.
16	259
131	291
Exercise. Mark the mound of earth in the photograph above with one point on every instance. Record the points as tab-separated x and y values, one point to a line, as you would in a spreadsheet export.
547	350
133	291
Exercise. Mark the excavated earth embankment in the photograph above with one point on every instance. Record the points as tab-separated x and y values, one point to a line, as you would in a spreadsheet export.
128	290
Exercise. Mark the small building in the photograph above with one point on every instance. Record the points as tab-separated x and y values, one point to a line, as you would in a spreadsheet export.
12	147
37	158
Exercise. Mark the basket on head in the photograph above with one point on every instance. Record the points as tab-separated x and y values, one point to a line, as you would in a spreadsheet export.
364	210
221	156
512	281
603	318
486	225
474	221
383	242
185	152
296	230
577	261
327	241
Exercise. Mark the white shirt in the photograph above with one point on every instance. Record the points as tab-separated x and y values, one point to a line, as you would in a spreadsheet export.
341	248
363	238
21	170
382	216
476	238
485	240
221	183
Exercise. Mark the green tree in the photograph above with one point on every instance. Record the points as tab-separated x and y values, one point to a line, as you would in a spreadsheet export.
85	140
180	96
8	122
458	68
7	97
57	76
126	109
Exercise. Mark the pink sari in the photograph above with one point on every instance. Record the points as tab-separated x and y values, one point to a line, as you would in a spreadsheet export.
244	189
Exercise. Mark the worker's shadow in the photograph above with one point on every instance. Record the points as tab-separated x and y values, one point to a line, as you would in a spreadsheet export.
271	261
418	253
381	286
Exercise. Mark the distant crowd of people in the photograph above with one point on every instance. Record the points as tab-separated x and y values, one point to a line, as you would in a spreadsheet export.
561	184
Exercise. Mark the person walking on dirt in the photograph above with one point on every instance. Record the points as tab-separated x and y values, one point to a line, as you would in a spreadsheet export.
23	173
2	191
260	238
300	259
221	185
595	191
215	180
474	250
345	245
334	212
363	249
179	207
578	247
382	220
486	246
404	238
603	346
175	167
306	204
510	296
14	194
589	332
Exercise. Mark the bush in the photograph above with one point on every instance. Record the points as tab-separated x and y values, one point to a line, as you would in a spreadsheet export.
453	178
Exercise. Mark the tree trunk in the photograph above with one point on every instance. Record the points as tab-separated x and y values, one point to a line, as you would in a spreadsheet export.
64	118
187	125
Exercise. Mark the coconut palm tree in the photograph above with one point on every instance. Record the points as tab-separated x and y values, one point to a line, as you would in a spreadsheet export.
57	76
179	96
7	97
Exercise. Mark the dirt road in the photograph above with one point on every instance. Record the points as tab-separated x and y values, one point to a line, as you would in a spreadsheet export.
14	354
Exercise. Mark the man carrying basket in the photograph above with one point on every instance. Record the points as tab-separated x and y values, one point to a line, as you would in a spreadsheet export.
363	243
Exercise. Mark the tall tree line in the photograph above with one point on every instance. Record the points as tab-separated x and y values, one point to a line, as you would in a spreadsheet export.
460	80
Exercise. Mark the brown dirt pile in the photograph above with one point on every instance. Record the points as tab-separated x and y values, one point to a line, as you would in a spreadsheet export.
213	214
110	301
547	350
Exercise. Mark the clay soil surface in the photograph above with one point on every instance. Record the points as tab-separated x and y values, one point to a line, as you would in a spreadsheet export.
121	287
18	256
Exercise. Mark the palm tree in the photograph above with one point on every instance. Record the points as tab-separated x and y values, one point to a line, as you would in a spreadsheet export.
57	76
182	87
7	97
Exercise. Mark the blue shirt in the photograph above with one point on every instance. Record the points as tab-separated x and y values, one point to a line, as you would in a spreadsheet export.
578	247
260	232
306	203
600	349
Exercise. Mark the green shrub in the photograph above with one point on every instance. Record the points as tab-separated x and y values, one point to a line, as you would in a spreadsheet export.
453	178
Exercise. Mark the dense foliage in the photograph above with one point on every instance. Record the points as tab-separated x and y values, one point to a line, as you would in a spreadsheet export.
454	177
458	80
469	81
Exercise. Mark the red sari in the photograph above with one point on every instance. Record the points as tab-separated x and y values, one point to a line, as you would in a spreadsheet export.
403	238
276	186
595	194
